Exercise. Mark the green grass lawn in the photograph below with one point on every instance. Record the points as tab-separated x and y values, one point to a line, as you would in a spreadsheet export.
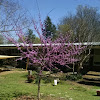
13	85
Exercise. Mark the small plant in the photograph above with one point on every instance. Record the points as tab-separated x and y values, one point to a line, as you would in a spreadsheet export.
74	77
30	78
36	79
48	79
98	92
54	70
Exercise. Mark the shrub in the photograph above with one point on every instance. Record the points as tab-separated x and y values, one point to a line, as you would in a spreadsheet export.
47	79
74	77
30	78
10	62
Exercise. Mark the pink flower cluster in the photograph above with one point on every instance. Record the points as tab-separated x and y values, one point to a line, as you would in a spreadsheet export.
60	51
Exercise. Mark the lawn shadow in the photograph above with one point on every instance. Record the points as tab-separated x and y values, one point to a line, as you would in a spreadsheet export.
89	83
97	95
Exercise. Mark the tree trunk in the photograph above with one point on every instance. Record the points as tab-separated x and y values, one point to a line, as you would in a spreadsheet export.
39	81
73	68
27	63
79	67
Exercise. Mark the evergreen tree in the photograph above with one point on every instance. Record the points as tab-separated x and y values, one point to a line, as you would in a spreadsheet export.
49	28
30	36
1	39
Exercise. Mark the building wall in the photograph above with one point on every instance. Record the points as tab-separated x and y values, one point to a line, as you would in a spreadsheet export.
96	57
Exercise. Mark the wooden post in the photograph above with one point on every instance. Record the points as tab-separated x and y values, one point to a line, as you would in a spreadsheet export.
29	72
27	63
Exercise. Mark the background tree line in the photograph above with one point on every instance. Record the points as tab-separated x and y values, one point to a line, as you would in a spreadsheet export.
84	25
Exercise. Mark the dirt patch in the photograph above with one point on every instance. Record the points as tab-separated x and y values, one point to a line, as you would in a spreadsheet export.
25	98
9	72
42	98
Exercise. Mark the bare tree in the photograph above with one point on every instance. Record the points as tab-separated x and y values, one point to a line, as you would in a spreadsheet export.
85	24
12	15
84	27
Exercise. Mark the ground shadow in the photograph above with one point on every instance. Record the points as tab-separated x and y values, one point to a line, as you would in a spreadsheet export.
89	83
96	95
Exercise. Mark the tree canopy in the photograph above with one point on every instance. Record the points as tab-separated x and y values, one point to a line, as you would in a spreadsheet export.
29	37
84	25
1	39
49	29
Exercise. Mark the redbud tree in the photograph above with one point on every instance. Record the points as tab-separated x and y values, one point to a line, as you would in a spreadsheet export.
48	52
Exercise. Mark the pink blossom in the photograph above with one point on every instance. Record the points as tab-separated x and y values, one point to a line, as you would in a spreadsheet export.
60	51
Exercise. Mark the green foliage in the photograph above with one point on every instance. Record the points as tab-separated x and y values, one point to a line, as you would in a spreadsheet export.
1	39
47	79
10	62
36	78
30	36
74	77
49	28
19	40
30	78
64	28
37	40
54	70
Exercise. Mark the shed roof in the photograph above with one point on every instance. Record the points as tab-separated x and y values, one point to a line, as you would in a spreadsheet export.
36	45
85	43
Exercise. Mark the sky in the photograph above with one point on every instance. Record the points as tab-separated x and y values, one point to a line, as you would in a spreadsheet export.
55	9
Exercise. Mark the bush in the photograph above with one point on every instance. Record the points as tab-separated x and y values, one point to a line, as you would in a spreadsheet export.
10	62
44	79
54	70
36	79
74	77
30	78
47	79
